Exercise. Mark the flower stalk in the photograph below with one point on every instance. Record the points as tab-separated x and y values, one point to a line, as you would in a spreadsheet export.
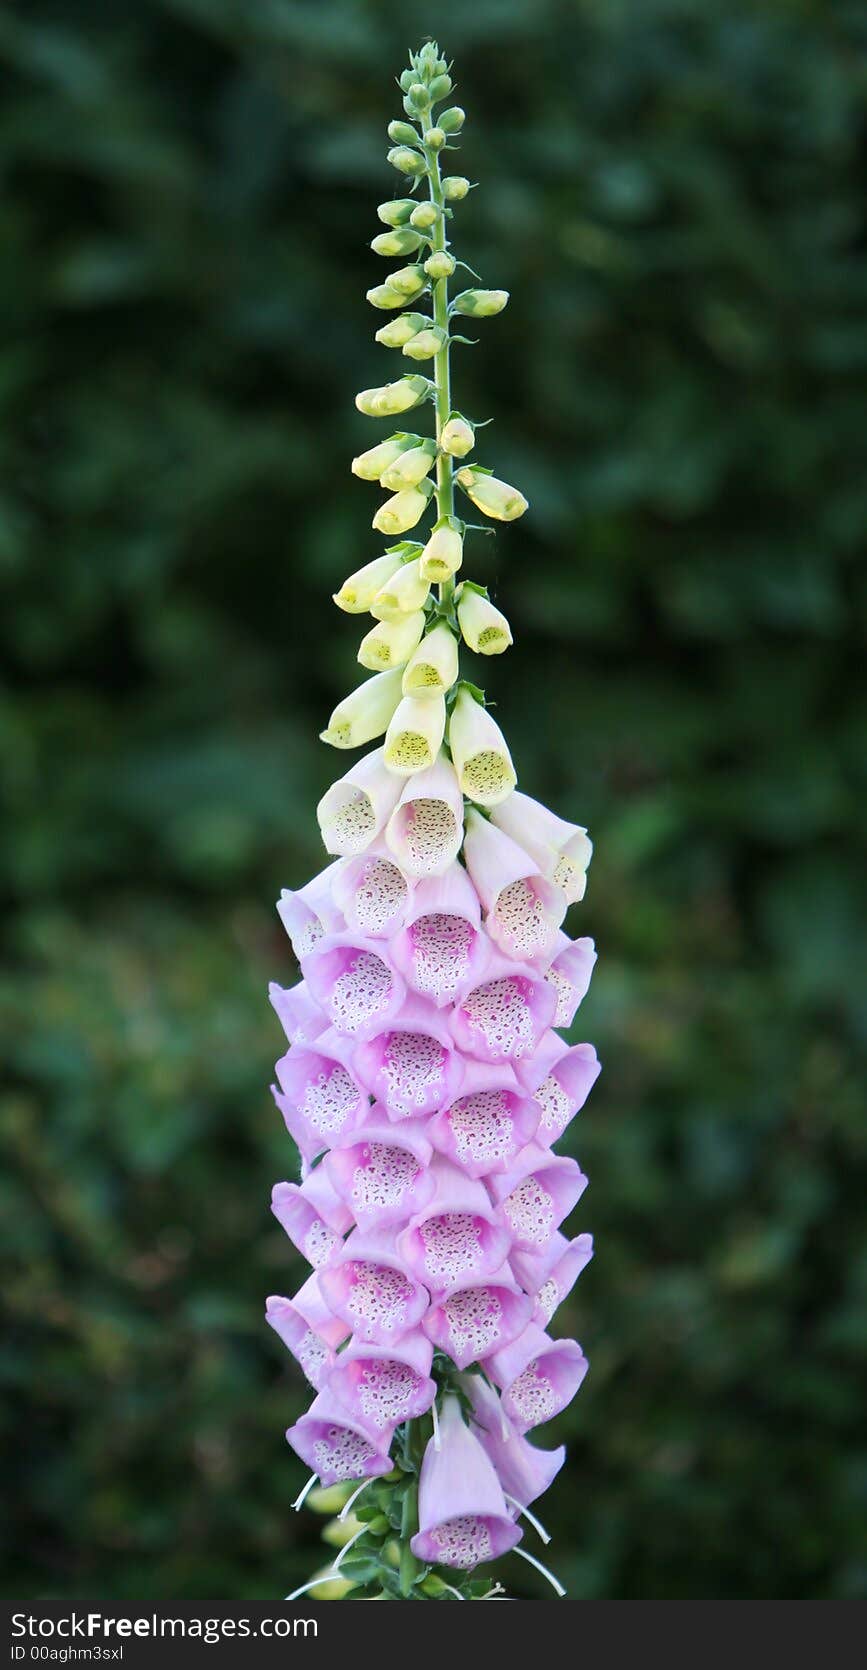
425	1083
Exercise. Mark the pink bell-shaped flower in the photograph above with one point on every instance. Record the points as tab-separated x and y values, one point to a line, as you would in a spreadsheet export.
315	1356
569	976
311	1304
489	1123
560	1080
468	1323
552	1274
383	1174
372	892
538	1375
311	912
369	1287
325	1099
355	983
426	827
536	1194
441	951
463	1516
384	1385
300	1016
354	810
335	1446
523	1471
523	910
411	1066
458	1237
503	1018
303	1223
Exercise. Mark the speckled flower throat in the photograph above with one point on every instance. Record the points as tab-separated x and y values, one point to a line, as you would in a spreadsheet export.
426	1080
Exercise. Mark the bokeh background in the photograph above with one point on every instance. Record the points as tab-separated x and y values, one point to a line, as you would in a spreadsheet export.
674	194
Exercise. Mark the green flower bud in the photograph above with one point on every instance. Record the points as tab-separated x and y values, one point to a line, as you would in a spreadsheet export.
440	88
435	139
401	241
401	512
406	80
481	304
399	331
400	133
408	281
425	344
370	465
410	467
433	1587
458	437
384	296
393	397
424	215
406	161
417	96
455	188
452	120
397	211
495	498
439	265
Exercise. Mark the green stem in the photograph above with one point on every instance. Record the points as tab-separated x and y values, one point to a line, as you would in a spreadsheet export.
445	493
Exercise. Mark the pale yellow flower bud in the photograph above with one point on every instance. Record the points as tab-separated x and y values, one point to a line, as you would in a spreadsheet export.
415	733
443	553
479	751
408	281
405	590
433	667
495	498
458	437
410	467
398	331
358	592
403	510
371	465
393	398
365	712
391	642
439	265
424	344
483	628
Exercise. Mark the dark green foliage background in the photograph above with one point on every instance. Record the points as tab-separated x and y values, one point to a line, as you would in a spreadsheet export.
673	193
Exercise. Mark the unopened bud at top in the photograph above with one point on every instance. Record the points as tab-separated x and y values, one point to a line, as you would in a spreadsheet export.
406	161
401	240
440	265
495	498
410	467
425	343
371	465
458	437
400	133
480	304
452	120
398	331
423	215
455	188
440	88
392	398
397	211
